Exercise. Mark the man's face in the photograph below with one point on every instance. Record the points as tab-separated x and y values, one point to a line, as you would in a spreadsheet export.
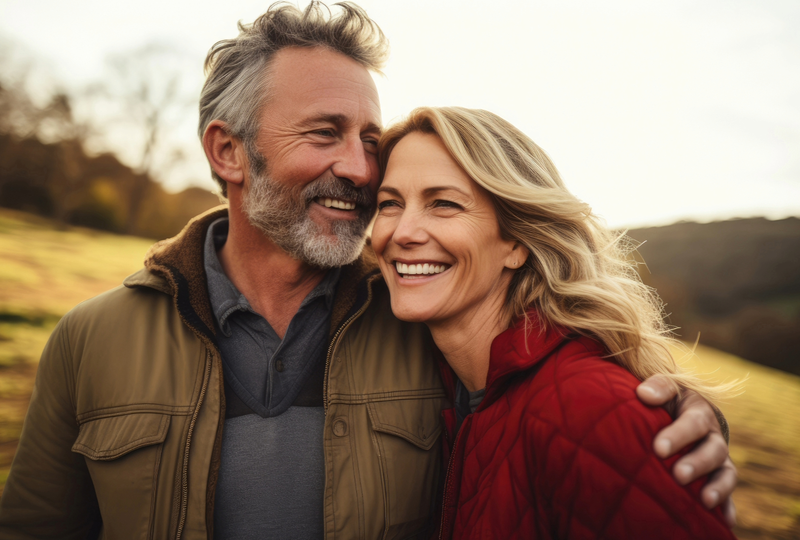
311	188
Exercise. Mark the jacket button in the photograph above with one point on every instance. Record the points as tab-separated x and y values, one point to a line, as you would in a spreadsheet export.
340	427
422	433
279	366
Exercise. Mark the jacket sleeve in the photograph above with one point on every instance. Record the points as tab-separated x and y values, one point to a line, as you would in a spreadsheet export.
49	493
607	481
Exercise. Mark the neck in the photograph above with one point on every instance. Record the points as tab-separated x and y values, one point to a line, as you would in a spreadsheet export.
466	341
273	282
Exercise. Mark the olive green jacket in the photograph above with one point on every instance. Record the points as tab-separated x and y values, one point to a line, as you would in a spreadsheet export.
122	438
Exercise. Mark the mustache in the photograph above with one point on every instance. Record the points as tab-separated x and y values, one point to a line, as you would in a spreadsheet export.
335	188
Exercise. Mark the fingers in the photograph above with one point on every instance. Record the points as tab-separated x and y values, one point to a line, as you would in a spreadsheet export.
729	512
720	487
695	420
656	390
707	457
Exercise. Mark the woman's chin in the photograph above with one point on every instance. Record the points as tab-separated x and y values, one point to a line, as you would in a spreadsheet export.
411	313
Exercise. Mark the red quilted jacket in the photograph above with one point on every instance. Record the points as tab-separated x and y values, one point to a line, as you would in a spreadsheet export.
563	452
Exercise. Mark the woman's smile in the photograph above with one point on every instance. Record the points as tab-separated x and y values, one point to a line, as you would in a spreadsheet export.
419	269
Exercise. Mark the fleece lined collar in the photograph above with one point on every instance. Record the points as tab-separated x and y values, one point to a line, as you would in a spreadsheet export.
175	266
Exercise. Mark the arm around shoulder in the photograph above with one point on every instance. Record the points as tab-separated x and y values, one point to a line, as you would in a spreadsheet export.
612	483
49	492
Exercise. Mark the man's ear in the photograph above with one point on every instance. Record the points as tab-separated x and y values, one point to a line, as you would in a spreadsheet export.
225	152
517	256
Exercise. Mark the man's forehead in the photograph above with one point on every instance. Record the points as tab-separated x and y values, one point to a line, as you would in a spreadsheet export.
317	83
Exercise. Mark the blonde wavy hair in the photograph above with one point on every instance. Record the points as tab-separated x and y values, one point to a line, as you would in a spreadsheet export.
579	275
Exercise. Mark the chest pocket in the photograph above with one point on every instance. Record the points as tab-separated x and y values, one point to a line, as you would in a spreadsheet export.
123	454
406	434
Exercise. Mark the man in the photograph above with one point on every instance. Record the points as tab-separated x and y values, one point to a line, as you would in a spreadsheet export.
190	402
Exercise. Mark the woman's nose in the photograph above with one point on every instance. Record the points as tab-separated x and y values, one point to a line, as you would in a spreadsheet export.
410	230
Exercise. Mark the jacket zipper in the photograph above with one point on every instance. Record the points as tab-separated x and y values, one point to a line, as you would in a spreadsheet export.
447	476
335	339
185	477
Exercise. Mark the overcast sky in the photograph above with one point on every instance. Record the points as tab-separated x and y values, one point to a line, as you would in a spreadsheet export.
653	111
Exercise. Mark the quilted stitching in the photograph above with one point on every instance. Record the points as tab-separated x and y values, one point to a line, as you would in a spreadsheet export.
567	453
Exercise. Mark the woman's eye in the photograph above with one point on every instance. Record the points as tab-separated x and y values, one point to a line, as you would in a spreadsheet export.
441	203
387	204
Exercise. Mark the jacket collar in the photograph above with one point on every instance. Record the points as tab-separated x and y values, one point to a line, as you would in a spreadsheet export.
519	349
176	267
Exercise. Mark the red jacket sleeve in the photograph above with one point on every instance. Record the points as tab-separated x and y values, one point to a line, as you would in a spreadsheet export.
602	477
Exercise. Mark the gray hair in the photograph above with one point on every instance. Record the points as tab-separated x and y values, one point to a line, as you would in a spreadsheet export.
237	81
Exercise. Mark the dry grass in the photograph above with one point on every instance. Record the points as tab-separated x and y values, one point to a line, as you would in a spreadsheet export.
765	443
47	270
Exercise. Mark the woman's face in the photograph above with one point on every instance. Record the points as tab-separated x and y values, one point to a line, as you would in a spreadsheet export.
437	237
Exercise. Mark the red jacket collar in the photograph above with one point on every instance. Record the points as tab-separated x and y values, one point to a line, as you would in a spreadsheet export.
519	349
510	355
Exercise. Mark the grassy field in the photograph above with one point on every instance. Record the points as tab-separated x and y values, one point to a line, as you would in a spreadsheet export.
46	270
765	443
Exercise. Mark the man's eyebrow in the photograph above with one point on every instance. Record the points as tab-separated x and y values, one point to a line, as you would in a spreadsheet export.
339	120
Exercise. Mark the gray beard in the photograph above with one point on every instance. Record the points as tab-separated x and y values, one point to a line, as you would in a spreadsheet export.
281	213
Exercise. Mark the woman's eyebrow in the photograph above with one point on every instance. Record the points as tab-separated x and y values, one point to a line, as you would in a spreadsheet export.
438	189
428	192
391	190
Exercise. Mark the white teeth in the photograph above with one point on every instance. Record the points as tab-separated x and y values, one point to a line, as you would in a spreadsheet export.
336	203
419	269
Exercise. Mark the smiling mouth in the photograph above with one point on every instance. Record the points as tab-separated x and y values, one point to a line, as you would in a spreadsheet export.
339	204
412	271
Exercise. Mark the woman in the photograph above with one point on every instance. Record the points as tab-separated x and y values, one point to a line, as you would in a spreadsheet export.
546	331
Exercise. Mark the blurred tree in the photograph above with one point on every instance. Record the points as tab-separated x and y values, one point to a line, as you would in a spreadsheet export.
146	94
135	111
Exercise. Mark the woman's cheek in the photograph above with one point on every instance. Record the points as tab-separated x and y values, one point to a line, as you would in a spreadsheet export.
380	235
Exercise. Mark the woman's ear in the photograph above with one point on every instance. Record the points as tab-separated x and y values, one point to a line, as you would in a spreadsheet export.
517	256
225	152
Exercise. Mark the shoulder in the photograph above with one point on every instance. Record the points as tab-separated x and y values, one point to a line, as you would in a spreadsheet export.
118	320
590	402
590	439
146	293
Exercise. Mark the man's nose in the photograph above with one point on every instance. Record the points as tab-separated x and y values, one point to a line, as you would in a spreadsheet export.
356	165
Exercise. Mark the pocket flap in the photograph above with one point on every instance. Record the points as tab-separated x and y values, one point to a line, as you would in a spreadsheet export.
415	420
113	437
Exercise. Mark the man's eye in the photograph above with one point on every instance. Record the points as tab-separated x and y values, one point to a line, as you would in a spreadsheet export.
371	142
324	132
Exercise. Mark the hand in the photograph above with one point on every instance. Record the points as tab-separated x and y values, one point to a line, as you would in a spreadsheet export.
695	421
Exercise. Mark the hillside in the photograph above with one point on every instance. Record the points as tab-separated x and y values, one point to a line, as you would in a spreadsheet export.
61	181
735	283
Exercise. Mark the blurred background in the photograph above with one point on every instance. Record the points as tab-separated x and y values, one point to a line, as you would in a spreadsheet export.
677	121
